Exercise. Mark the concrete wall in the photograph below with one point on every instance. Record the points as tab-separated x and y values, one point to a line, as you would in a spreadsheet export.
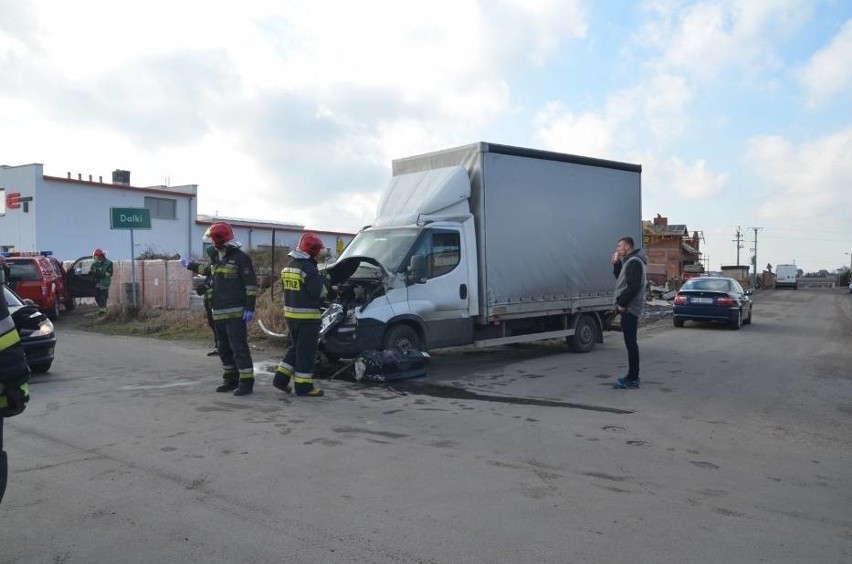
17	228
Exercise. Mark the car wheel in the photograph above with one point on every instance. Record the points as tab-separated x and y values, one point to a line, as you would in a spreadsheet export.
747	320
678	322
737	322
402	339
585	335
40	368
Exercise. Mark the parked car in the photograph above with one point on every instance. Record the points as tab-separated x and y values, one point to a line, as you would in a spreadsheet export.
713	299
41	278
80	283
36	331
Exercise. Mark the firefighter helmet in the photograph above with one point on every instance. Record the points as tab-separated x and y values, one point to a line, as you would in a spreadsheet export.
98	253
311	244
219	234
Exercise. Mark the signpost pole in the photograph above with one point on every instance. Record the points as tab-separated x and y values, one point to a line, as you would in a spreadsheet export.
132	271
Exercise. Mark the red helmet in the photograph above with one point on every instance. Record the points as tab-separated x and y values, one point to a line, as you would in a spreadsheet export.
311	244
219	233
98	253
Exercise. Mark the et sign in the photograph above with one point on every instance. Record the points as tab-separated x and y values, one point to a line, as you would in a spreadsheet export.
129	218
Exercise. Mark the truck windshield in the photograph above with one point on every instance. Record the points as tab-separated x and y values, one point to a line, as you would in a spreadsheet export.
388	246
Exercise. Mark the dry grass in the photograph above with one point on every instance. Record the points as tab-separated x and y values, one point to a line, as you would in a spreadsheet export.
125	319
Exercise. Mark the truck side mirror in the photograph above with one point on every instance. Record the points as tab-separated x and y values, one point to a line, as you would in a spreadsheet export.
417	269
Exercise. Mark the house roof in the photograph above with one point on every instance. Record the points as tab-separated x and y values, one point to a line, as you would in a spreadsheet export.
690	249
677	229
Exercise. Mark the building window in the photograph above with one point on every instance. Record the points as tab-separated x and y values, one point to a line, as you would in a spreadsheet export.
161	208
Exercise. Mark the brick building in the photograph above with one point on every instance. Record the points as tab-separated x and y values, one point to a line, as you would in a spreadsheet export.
673	254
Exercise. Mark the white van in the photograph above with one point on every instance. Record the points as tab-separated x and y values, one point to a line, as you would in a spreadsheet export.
785	276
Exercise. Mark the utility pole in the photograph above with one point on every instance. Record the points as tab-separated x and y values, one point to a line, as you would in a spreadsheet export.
739	243
754	250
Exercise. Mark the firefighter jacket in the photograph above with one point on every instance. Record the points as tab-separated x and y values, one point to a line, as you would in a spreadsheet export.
234	287
304	287
102	272
14	373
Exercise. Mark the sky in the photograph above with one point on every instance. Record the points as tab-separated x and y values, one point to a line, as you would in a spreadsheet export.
740	113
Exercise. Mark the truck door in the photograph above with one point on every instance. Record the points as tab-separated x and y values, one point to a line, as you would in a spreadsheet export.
442	302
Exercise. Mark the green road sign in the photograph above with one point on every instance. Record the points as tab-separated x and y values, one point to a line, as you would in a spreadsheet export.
129	218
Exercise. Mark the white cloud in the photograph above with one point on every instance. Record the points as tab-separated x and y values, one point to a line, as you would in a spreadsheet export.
808	184
829	71
694	181
702	39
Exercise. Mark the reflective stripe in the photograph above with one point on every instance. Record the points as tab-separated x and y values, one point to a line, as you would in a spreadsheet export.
302	378
297	315
9	339
285	369
246	373
292	279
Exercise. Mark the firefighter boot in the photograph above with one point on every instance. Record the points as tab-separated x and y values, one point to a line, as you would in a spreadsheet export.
282	382
245	387
227	385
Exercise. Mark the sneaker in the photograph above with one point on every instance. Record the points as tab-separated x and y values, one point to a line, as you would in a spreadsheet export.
314	393
626	383
214	352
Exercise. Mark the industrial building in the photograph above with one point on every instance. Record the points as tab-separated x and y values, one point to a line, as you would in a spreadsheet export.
71	216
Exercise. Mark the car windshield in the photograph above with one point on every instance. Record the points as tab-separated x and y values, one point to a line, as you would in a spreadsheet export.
22	271
388	246
11	299
710	285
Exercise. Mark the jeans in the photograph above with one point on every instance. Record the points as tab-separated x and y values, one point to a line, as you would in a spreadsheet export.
630	328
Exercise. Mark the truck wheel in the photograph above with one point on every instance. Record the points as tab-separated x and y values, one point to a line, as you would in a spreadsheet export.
585	335
402	339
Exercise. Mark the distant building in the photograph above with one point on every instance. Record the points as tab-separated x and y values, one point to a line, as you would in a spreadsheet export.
673	254
71	217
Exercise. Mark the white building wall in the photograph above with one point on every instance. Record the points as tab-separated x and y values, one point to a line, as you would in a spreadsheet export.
17	228
71	217
74	219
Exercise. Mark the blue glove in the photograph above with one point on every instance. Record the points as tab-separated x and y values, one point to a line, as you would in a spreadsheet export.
248	316
184	262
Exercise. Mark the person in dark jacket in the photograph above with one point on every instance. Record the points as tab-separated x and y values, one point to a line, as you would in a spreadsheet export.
14	375
234	297
629	268
304	289
101	272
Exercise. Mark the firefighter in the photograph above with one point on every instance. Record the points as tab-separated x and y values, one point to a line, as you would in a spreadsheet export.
304	289
14	375
234	296
101	272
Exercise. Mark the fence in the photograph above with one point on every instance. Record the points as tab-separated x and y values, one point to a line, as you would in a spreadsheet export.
162	284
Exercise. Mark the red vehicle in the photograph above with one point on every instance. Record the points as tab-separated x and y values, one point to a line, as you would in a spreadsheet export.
41	278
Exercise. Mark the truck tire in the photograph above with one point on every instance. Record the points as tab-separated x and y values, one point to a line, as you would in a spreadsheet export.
585	335
401	338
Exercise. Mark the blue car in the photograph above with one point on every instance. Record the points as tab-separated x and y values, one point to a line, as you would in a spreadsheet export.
713	299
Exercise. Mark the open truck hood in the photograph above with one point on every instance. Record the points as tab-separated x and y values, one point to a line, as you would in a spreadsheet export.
343	269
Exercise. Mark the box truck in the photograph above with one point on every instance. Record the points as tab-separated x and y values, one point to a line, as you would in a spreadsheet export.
786	276
485	244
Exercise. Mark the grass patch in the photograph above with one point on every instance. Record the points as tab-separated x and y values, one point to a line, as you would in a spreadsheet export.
183	325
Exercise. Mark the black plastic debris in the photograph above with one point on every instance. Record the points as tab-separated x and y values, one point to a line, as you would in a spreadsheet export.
387	366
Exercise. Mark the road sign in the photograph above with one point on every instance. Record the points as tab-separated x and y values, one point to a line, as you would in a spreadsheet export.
129	218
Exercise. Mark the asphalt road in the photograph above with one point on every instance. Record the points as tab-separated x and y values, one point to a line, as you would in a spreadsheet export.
736	449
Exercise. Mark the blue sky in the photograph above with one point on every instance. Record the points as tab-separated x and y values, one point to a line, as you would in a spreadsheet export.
739	112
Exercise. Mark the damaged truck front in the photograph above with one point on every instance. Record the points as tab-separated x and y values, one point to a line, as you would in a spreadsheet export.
484	244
